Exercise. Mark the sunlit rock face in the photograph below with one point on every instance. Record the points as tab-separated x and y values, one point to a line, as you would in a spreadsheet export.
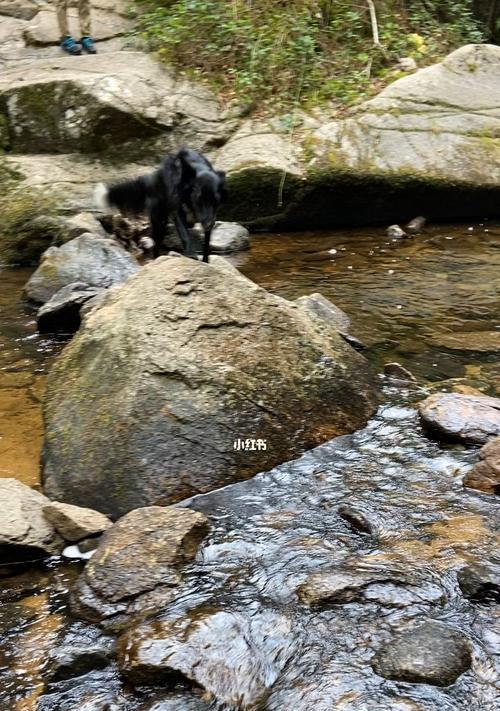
429	139
158	393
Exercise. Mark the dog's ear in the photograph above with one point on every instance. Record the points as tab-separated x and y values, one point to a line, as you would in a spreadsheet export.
223	188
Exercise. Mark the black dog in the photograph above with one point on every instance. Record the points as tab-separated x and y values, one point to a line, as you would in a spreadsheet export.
184	187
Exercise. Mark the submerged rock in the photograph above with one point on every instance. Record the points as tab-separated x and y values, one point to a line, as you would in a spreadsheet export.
415	226
143	550
89	259
177	367
235	658
485	475
389	588
100	690
472	419
473	341
396	232
61	313
430	654
79	650
75	523
25	533
396	371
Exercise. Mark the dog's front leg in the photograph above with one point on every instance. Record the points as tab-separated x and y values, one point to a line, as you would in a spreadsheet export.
206	245
186	238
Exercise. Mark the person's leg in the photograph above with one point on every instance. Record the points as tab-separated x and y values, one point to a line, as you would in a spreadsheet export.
68	44
84	15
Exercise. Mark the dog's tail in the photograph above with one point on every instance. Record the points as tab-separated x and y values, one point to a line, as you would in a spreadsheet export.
128	197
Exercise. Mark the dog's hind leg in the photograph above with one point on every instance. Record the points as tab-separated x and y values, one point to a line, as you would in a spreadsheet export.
158	218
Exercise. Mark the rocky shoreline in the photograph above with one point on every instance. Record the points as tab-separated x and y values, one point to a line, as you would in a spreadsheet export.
428	142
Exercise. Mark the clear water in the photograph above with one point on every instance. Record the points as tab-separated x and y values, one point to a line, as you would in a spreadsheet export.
402	298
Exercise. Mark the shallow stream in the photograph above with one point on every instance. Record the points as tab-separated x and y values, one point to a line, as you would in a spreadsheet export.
404	298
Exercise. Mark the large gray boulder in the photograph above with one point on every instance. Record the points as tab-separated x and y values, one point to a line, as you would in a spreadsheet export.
53	106
91	260
178	369
440	123
429	141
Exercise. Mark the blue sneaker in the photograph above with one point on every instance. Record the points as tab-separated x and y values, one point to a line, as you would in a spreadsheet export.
88	45
69	46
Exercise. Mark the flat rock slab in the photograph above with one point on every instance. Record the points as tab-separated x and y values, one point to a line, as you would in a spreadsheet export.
44	29
95	103
20	9
95	261
56	173
144	549
475	341
24	531
430	654
74	522
472	419
485	475
439	123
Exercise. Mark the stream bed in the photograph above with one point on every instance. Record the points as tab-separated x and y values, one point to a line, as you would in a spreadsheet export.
269	534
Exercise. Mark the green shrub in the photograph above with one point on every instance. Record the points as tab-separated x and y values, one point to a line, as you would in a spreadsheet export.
298	51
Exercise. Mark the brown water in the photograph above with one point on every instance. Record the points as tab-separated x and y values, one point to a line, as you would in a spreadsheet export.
402	297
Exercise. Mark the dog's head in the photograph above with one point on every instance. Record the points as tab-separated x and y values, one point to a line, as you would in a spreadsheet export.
208	192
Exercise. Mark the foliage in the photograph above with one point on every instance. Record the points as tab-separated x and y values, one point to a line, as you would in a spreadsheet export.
288	51
28	221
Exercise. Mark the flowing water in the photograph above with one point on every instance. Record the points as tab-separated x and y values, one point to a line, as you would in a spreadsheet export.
267	535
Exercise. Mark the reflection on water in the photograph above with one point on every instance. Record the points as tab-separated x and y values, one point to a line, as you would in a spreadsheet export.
401	295
24	359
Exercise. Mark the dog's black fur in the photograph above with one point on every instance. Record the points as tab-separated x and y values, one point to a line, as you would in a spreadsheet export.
185	187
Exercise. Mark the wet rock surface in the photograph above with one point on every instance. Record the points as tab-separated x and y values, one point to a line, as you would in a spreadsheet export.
234	657
485	475
430	654
481	581
79	650
74	523
143	550
472	419
223	637
390	588
86	259
61	313
173	367
25	533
